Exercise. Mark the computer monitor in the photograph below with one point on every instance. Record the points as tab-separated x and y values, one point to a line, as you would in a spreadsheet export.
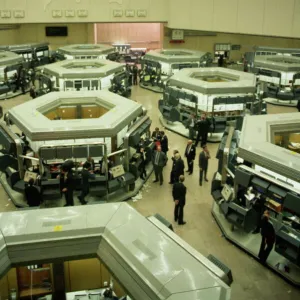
292	202
243	177
276	193
260	185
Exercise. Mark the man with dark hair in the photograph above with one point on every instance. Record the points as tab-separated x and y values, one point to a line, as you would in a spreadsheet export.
156	135
32	194
86	174
178	168
267	238
67	184
164	142
179	193
203	163
135	71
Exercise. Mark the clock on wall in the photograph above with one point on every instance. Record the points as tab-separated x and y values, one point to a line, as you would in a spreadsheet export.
177	35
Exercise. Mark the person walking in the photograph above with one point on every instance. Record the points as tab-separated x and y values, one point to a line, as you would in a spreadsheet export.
135	72
86	174
267	238
203	163
32	194
159	161
67	185
179	195
190	154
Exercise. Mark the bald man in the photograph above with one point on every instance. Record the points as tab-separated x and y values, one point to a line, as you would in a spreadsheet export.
190	154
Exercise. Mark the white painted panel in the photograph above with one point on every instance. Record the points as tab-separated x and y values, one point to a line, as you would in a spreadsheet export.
296	19
250	16
201	12
278	17
225	15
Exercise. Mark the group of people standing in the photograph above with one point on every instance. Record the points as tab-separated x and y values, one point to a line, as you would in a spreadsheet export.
200	126
177	177
133	72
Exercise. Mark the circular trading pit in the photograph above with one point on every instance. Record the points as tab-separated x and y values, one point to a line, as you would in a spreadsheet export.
159	65
62	126
87	51
83	75
279	78
222	94
259	170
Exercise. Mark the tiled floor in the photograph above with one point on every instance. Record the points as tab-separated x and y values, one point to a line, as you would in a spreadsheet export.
251	280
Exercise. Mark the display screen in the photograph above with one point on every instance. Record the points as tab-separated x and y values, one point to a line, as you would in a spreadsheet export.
57	31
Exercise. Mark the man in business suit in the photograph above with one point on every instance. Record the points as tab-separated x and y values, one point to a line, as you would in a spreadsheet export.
159	161
156	135
190	154
203	163
172	174
86	174
179	194
67	184
191	125
164	142
178	168
203	126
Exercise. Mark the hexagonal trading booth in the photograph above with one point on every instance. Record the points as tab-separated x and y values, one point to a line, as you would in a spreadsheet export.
158	65
80	75
279	78
129	246
222	94
259	171
86	51
64	126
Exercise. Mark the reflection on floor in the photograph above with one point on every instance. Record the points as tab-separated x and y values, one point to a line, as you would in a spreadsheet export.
251	280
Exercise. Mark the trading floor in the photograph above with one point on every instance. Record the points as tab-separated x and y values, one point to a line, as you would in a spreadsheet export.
251	280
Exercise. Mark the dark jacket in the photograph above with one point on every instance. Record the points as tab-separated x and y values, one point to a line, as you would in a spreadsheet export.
156	135
191	154
33	196
162	159
69	183
203	161
178	167
164	143
86	175
298	105
179	192
267	231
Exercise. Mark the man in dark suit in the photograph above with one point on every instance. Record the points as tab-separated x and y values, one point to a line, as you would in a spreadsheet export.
172	174
86	174
178	168
156	135
203	163
267	238
203	126
159	161
298	105
32	194
190	154
164	143
142	166
67	184
179	193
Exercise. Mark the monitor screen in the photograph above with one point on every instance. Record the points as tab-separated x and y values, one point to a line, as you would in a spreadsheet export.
292	202
242	177
56	30
260	185
276	193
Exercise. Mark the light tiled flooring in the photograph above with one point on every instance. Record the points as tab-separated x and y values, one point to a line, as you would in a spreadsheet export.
251	280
